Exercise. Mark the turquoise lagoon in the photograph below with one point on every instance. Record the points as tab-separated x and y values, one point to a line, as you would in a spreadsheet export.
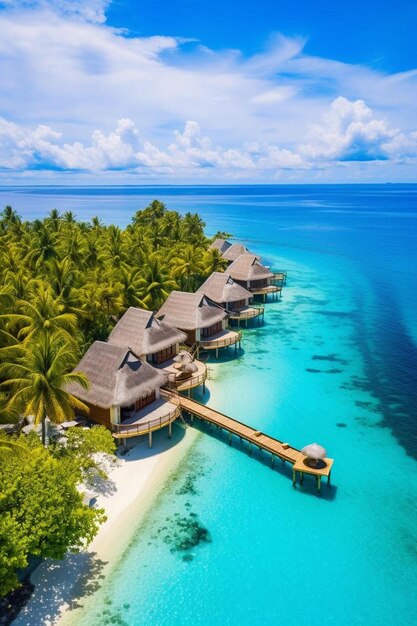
229	541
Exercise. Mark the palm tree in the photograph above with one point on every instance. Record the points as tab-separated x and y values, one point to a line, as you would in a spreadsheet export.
130	280
114	251
43	248
43	315
61	276
213	262
170	226
9	216
150	215
72	248
69	217
192	229
92	251
187	266
9	447
21	284
54	219
37	381
11	260
155	285
97	223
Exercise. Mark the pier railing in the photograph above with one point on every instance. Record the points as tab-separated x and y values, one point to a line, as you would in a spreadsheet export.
252	311
256	438
221	342
143	428
186	383
280	277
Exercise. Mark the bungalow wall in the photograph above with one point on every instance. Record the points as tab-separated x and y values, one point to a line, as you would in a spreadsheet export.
192	336
99	415
238	304
163	355
259	284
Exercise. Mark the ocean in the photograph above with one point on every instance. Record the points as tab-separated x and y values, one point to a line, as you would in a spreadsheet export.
229	541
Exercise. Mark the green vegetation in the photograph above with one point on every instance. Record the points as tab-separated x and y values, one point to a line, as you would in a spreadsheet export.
41	510
63	283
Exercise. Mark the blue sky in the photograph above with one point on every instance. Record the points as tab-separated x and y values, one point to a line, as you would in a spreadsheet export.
381	34
96	91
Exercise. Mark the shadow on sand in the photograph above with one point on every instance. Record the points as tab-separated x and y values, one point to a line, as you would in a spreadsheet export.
75	578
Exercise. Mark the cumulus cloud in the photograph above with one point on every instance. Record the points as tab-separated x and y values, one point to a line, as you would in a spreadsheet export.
66	73
350	132
122	149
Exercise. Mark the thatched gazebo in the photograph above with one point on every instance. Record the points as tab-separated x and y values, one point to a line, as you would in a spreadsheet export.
248	272
204	321
123	392
223	290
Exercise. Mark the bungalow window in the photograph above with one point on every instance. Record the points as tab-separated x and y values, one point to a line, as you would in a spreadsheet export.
163	355
239	304
212	330
256	284
139	404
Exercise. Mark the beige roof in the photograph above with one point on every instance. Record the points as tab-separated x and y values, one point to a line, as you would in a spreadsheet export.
234	251
221	245
143	333
189	311
247	267
117	377
220	287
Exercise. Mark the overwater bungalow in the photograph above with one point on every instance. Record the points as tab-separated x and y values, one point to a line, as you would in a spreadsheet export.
223	290
248	272
158	343
124	392
204	321
221	245
235	251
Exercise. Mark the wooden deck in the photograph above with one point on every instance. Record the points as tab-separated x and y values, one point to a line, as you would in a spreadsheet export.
247	313
280	278
223	339
273	290
277	449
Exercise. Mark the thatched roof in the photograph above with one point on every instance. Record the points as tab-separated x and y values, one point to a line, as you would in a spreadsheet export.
189	311
247	267
221	245
117	377
143	333
234	251
220	287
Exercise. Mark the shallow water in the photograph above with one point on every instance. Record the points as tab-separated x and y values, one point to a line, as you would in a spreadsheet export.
229	540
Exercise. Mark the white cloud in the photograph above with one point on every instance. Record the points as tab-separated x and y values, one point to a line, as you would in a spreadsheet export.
90	10
349	133
66	73
122	149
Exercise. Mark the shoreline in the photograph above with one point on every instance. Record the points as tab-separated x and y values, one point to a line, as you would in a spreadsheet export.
64	588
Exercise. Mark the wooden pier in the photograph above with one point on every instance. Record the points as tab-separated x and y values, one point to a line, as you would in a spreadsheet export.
275	447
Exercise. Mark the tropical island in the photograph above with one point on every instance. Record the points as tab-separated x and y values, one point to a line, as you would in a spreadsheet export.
100	329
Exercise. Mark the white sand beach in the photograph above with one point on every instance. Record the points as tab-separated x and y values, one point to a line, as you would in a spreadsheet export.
62	587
